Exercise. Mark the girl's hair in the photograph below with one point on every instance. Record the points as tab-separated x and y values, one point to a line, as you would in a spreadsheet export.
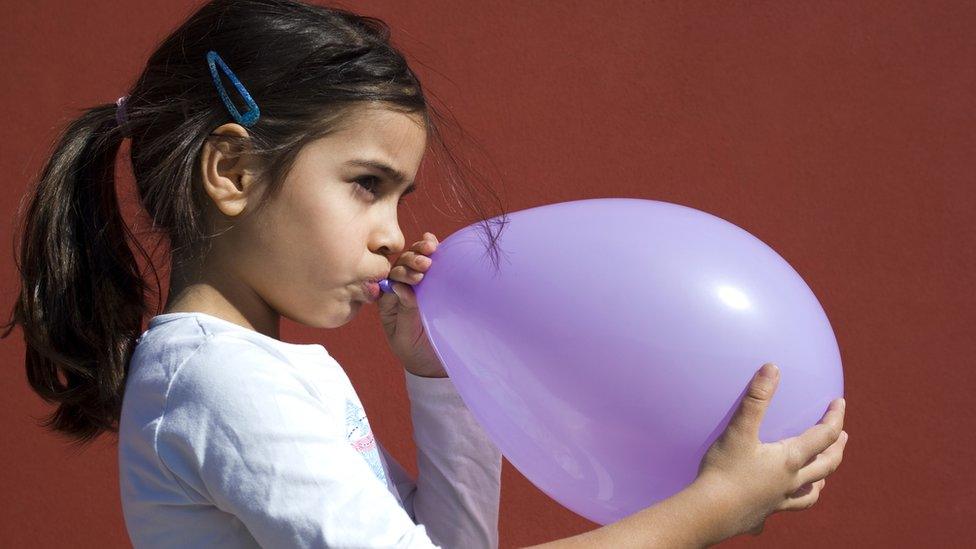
83	297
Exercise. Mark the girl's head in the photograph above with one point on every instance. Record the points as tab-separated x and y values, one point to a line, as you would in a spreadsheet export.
281	212
332	225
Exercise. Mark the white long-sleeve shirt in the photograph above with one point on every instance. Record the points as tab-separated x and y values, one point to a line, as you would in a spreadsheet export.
231	438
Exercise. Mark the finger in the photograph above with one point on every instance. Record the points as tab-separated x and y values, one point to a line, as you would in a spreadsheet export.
425	246
421	246
818	438
401	292
804	498
417	262
824	464
404	274
749	415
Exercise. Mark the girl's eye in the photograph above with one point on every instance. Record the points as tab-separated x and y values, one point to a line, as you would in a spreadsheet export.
371	184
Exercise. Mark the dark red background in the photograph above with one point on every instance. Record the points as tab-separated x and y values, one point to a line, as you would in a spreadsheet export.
842	134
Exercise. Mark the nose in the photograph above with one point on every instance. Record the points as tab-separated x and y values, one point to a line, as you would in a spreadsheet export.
388	239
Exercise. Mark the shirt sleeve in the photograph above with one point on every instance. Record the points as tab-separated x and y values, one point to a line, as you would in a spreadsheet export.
249	433
458	487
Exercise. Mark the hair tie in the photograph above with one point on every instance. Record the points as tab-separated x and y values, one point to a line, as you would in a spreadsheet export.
120	116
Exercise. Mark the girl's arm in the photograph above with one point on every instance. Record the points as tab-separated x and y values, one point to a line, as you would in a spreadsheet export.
690	518
457	492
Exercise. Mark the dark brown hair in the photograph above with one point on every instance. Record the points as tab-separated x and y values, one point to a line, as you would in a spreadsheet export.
83	297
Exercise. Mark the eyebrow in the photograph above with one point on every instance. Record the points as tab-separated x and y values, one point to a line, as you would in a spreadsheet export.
389	171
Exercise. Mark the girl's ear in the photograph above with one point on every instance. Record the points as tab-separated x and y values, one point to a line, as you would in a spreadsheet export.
227	173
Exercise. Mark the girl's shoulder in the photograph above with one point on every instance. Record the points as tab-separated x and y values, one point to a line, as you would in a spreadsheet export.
212	358
183	328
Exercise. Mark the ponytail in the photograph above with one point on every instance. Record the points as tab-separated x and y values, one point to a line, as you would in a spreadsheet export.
81	300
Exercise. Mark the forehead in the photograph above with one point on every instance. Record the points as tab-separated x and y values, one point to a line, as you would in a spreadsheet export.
377	132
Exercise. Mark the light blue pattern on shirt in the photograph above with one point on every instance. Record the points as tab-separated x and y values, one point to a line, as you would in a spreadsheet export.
359	434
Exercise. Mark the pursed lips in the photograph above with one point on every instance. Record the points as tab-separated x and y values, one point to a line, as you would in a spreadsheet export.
371	288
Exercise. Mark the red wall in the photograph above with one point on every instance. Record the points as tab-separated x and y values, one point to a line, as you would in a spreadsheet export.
842	134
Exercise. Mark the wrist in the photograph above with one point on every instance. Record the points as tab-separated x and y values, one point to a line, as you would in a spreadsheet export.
716	499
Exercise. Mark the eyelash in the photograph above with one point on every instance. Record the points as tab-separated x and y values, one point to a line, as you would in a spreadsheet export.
370	187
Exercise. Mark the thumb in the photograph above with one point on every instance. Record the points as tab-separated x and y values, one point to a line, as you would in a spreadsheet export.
402	295
758	394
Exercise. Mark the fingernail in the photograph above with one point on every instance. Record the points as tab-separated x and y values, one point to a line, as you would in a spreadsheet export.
768	370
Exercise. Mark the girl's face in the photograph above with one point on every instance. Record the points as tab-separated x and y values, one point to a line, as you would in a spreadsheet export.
307	254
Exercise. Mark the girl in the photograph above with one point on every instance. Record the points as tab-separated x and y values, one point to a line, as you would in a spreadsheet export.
272	142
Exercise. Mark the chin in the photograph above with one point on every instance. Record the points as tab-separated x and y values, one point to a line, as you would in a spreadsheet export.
332	317
338	320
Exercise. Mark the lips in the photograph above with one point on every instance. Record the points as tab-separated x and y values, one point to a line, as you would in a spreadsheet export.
371	286
372	289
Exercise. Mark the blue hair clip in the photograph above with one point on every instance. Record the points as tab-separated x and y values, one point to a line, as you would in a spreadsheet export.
251	116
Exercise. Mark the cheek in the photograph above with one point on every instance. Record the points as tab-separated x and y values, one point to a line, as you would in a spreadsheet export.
282	243
309	218
328	238
317	235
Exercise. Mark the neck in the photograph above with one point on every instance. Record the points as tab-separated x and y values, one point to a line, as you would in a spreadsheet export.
214	291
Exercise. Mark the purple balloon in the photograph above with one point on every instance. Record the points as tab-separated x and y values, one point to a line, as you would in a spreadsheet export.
612	342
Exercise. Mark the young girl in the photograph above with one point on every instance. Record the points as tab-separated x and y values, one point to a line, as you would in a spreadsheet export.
272	142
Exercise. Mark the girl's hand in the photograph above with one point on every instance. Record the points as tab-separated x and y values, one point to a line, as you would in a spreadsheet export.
754	479
400	316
